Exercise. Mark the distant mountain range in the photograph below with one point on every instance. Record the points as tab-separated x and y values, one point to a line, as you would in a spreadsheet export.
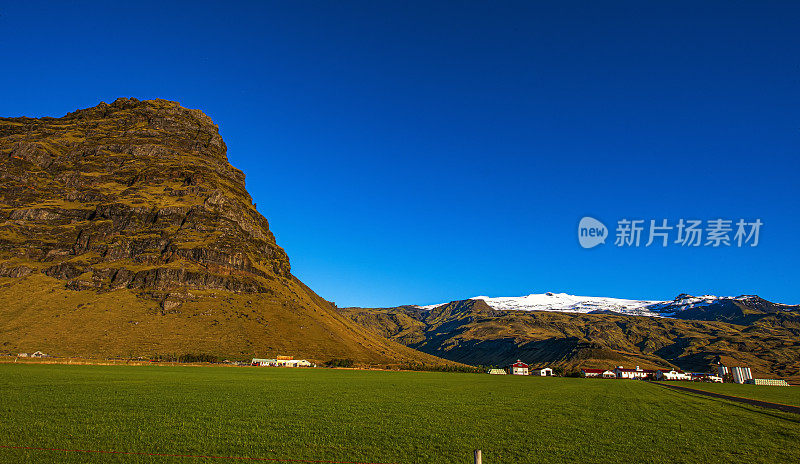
684	306
689	332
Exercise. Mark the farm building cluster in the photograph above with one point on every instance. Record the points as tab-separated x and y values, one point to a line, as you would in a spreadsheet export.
732	374
520	368
638	373
281	361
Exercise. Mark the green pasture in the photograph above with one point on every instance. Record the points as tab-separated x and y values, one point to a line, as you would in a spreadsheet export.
370	416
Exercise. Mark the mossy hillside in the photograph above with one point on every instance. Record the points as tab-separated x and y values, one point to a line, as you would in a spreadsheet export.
40	314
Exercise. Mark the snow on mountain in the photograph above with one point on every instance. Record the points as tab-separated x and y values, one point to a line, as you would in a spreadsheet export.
429	307
570	303
564	302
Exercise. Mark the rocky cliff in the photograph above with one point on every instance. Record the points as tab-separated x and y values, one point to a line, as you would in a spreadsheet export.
130	195
124	230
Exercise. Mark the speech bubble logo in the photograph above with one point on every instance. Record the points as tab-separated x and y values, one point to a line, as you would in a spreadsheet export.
591	232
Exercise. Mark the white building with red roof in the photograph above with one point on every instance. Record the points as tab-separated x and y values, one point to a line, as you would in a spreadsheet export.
519	368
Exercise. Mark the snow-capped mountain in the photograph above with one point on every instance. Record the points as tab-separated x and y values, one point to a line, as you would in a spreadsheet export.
570	303
564	302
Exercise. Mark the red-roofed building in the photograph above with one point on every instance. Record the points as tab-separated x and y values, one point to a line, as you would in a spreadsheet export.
519	368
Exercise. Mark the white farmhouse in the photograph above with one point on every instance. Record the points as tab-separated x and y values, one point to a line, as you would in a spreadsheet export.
637	373
281	361
672	374
604	373
542	372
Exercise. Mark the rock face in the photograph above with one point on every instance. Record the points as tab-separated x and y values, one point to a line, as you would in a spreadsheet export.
125	231
136	194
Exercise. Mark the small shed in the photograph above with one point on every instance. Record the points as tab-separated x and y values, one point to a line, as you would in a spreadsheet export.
519	368
542	372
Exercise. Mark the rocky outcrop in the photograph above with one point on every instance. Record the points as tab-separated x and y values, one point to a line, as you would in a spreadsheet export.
135	194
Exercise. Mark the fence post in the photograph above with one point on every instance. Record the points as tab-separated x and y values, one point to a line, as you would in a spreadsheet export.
478	457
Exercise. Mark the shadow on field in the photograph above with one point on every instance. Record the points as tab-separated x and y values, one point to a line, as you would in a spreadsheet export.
741	403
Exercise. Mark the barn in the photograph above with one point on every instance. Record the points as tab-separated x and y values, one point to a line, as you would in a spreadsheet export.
519	368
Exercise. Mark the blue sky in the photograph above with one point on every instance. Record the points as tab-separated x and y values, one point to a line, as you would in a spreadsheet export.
420	152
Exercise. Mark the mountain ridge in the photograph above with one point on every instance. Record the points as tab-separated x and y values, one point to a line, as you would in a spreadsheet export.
564	302
745	331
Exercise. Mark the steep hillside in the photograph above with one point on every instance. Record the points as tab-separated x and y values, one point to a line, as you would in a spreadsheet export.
124	231
472	331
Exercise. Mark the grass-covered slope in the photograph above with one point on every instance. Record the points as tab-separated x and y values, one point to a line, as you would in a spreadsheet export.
372	416
124	231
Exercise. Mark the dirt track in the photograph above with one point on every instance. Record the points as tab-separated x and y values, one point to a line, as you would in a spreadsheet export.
763	404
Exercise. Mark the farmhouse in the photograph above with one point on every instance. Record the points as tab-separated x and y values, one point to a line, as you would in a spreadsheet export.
281	361
604	373
672	375
497	371
637	373
289	361
519	368
542	372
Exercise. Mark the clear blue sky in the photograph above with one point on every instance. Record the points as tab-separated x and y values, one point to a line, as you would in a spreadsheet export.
420	152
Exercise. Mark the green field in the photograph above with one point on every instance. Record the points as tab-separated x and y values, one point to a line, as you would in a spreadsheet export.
371	416
783	395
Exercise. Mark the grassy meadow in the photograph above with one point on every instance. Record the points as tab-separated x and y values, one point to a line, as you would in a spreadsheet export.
370	416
